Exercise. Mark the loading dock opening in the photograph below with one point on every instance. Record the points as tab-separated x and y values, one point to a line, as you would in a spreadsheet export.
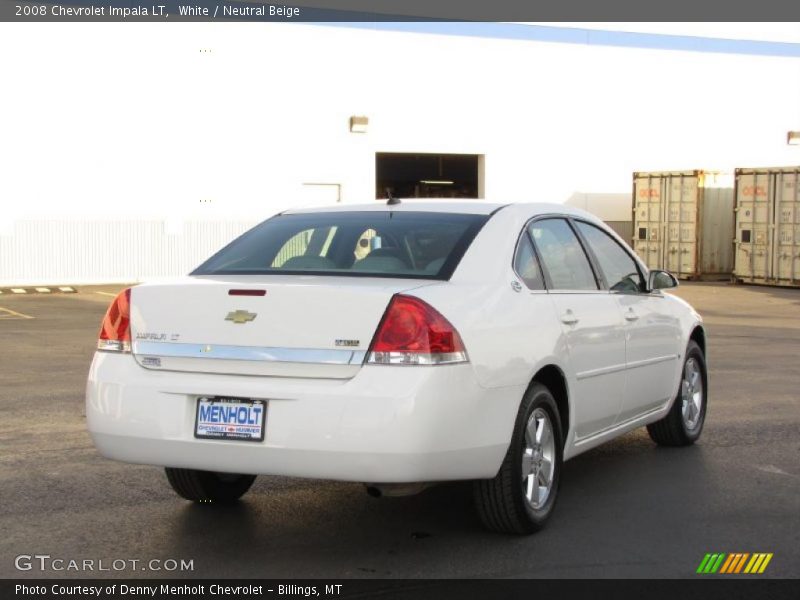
415	175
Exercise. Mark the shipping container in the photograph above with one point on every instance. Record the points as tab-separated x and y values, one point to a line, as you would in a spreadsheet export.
683	222
768	226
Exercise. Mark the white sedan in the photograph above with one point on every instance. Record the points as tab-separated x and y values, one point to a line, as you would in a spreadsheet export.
399	345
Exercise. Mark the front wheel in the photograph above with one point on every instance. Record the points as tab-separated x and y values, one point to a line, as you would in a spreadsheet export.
522	495
208	486
684	422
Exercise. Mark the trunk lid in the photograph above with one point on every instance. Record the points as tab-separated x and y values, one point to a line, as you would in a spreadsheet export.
302	326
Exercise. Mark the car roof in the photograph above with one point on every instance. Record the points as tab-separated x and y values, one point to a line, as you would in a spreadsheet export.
460	206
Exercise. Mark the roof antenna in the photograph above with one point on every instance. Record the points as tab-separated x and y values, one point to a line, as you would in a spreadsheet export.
392	200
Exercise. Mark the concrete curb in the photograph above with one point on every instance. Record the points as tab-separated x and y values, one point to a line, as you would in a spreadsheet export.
61	289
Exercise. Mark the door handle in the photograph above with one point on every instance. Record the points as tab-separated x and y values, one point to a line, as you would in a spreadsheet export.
569	318
631	316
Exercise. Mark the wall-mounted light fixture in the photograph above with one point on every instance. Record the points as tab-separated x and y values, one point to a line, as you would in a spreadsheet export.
358	124
793	138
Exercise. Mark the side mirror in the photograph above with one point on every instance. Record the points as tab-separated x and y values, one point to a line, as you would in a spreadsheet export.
661	280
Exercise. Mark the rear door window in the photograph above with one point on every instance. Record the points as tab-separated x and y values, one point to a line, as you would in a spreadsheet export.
562	255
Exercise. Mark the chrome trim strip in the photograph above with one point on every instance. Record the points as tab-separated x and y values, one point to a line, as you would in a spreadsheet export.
600	371
250	353
634	365
652	361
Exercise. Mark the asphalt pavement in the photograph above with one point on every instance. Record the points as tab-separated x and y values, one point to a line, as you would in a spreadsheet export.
626	509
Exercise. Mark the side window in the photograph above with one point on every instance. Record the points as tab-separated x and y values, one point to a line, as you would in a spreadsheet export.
562	255
617	265
526	265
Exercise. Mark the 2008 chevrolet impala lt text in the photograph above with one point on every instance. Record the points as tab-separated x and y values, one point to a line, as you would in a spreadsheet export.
399	345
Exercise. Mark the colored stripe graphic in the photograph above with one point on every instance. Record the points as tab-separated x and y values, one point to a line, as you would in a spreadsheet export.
765	563
741	563
734	563
728	563
757	558
758	563
711	563
735	557
703	563
718	563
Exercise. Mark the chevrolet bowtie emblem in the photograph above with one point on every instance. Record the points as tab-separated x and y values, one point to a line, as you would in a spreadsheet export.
240	316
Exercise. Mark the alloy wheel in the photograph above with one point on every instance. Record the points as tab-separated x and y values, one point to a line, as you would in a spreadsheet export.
691	394
538	458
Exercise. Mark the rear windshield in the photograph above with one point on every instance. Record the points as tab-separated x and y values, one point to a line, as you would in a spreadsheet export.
373	244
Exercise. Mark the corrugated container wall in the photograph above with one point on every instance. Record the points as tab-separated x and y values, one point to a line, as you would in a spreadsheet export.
768	226
683	222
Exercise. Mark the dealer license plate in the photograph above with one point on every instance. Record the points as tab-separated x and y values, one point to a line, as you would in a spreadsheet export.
230	419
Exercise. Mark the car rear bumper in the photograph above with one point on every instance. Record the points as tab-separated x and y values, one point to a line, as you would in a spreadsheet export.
388	424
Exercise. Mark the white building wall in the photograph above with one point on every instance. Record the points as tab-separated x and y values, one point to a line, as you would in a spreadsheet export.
609	207
155	127
64	251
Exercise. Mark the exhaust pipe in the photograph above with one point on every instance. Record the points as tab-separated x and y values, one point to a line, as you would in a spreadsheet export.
396	490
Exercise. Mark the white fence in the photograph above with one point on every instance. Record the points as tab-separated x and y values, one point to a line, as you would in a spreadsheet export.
39	252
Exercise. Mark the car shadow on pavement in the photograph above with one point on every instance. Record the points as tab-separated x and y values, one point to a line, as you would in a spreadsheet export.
339	530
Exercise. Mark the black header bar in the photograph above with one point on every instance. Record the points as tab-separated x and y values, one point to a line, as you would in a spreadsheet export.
401	10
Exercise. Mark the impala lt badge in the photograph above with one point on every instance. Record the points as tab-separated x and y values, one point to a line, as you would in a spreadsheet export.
241	316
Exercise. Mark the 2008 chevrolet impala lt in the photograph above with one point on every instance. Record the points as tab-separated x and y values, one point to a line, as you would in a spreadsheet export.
398	345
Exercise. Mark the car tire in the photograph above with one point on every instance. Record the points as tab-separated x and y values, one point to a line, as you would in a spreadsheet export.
683	424
207	486
506	503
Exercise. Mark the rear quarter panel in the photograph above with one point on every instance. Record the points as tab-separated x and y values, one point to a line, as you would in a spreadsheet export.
509	335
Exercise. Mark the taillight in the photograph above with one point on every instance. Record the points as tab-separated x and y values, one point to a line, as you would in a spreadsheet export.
412	332
115	330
